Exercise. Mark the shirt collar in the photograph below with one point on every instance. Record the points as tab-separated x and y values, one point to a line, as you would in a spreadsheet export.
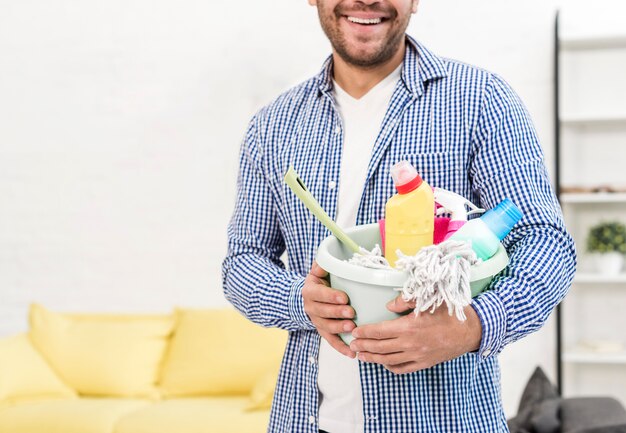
420	66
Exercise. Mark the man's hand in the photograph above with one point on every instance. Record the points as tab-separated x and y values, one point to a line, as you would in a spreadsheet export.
327	308
410	343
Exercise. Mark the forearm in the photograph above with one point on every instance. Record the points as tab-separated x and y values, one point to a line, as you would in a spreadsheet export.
254	279
264	291
542	260
521	299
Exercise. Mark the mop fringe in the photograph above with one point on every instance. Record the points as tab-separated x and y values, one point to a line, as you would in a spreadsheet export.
438	274
370	259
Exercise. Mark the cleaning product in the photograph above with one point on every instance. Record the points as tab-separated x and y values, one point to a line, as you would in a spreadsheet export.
486	232
409	214
440	233
454	204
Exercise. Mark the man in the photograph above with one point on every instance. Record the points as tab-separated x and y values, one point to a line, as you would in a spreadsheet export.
380	98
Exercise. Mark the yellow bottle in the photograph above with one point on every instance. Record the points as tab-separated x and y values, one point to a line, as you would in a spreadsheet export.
409	214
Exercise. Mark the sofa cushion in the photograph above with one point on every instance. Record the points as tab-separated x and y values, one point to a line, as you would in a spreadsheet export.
538	408
25	375
82	415
195	415
262	393
218	352
546	418
103	354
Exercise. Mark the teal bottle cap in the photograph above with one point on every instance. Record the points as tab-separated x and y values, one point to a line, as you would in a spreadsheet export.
502	218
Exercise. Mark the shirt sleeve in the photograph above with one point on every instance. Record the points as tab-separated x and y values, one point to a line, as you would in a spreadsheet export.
254	278
508	163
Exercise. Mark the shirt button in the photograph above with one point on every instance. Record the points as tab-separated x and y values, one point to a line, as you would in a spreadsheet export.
311	360
311	419
332	184
486	353
338	130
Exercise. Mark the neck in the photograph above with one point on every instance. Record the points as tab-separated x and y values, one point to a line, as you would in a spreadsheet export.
357	80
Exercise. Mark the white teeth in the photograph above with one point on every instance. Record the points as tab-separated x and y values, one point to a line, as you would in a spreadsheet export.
365	21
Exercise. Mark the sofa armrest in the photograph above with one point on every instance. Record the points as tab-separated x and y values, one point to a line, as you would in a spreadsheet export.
608	429
592	414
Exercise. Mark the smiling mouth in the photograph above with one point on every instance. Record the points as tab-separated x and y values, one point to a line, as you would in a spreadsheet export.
365	21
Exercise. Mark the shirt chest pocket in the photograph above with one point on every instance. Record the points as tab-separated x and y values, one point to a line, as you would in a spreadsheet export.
446	170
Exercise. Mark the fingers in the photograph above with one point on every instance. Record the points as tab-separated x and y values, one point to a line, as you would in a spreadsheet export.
327	295
386	352
318	275
408	367
399	305
328	309
391	360
334	326
382	330
317	291
338	344
331	311
325	302
392	345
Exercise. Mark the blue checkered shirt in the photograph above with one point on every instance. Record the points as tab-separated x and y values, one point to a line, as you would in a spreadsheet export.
465	130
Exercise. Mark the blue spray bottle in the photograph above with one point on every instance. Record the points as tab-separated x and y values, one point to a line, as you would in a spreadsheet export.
486	232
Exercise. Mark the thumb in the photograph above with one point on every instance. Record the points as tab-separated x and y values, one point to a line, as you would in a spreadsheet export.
399	305
318	271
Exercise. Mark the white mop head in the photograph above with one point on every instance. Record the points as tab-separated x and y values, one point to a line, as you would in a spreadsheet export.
370	259
437	274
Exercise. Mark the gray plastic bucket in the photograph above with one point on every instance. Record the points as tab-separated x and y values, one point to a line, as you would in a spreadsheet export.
369	290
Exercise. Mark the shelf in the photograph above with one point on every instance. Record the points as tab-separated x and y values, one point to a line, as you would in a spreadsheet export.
591	278
593	197
587	39
580	357
593	43
594	121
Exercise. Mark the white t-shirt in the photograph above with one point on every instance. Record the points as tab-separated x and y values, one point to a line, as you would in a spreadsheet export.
341	402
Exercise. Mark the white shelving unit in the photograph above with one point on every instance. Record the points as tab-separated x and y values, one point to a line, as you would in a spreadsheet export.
590	198
588	278
593	42
580	357
590	152
594	120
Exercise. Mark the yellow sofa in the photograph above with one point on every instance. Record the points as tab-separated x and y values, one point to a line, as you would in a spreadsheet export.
193	371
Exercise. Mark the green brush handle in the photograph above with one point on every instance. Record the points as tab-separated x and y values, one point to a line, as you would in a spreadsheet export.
297	186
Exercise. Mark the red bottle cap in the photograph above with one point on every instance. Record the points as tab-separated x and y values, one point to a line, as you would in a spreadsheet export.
405	177
408	187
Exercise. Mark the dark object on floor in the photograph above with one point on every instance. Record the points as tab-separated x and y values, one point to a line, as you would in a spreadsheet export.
541	410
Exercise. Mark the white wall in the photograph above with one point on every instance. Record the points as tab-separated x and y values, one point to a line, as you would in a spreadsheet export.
120	123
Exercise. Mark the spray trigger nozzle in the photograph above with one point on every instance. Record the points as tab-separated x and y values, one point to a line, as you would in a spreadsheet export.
454	204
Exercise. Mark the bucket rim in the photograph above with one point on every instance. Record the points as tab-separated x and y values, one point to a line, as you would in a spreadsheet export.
343	269
393	278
